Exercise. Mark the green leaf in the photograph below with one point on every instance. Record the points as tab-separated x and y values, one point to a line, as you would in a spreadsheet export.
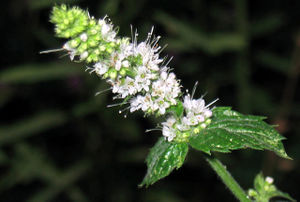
162	159
264	190
176	109
230	130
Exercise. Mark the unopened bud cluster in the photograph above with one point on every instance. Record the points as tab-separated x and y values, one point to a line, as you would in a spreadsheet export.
134	70
266	186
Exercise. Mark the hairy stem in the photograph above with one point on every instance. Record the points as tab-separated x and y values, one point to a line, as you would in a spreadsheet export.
227	179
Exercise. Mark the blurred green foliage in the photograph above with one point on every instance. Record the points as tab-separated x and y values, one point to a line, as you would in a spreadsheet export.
59	142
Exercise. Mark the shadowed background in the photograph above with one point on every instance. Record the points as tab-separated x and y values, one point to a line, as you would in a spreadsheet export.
59	142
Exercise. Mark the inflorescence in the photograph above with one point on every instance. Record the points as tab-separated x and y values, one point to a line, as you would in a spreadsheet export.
134	71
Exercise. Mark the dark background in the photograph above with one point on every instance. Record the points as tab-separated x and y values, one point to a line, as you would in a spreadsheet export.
59	142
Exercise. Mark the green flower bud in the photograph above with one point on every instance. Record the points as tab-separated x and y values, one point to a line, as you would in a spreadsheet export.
203	125
196	130
208	121
74	42
252	193
123	71
113	74
105	75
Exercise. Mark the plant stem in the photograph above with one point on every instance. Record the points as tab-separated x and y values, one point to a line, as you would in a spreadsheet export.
227	179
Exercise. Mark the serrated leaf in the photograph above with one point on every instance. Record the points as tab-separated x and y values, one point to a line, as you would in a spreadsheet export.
230	130
162	159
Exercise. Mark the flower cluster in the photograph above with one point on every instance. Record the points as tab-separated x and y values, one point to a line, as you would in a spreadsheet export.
134	70
196	117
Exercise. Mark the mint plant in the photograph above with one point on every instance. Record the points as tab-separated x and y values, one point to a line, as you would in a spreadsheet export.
142	80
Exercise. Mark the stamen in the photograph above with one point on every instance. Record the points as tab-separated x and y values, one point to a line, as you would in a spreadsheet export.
122	110
212	102
98	93
169	61
90	69
194	89
163	48
114	105
52	51
153	129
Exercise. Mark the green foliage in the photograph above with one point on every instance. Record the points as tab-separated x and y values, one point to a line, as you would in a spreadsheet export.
230	130
264	190
163	158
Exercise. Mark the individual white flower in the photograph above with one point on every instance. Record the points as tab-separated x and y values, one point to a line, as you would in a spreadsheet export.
84	55
107	31
182	127
125	63
166	87
169	133
207	113
161	104
116	85
195	106
269	180
142	102
84	37
170	121
148	103
149	55
143	78
123	88
118	65
126	48
100	68
200	118
136	103
71	51
157	88
190	119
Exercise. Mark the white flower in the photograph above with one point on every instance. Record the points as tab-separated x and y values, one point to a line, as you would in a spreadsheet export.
136	103
107	31
143	78
84	55
207	113
269	180
128	88
170	122
125	63
148	103
183	127
195	106
126	49
72	51
100	68
161	104
84	37
124	88
166	87
169	133
149	55
190	119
